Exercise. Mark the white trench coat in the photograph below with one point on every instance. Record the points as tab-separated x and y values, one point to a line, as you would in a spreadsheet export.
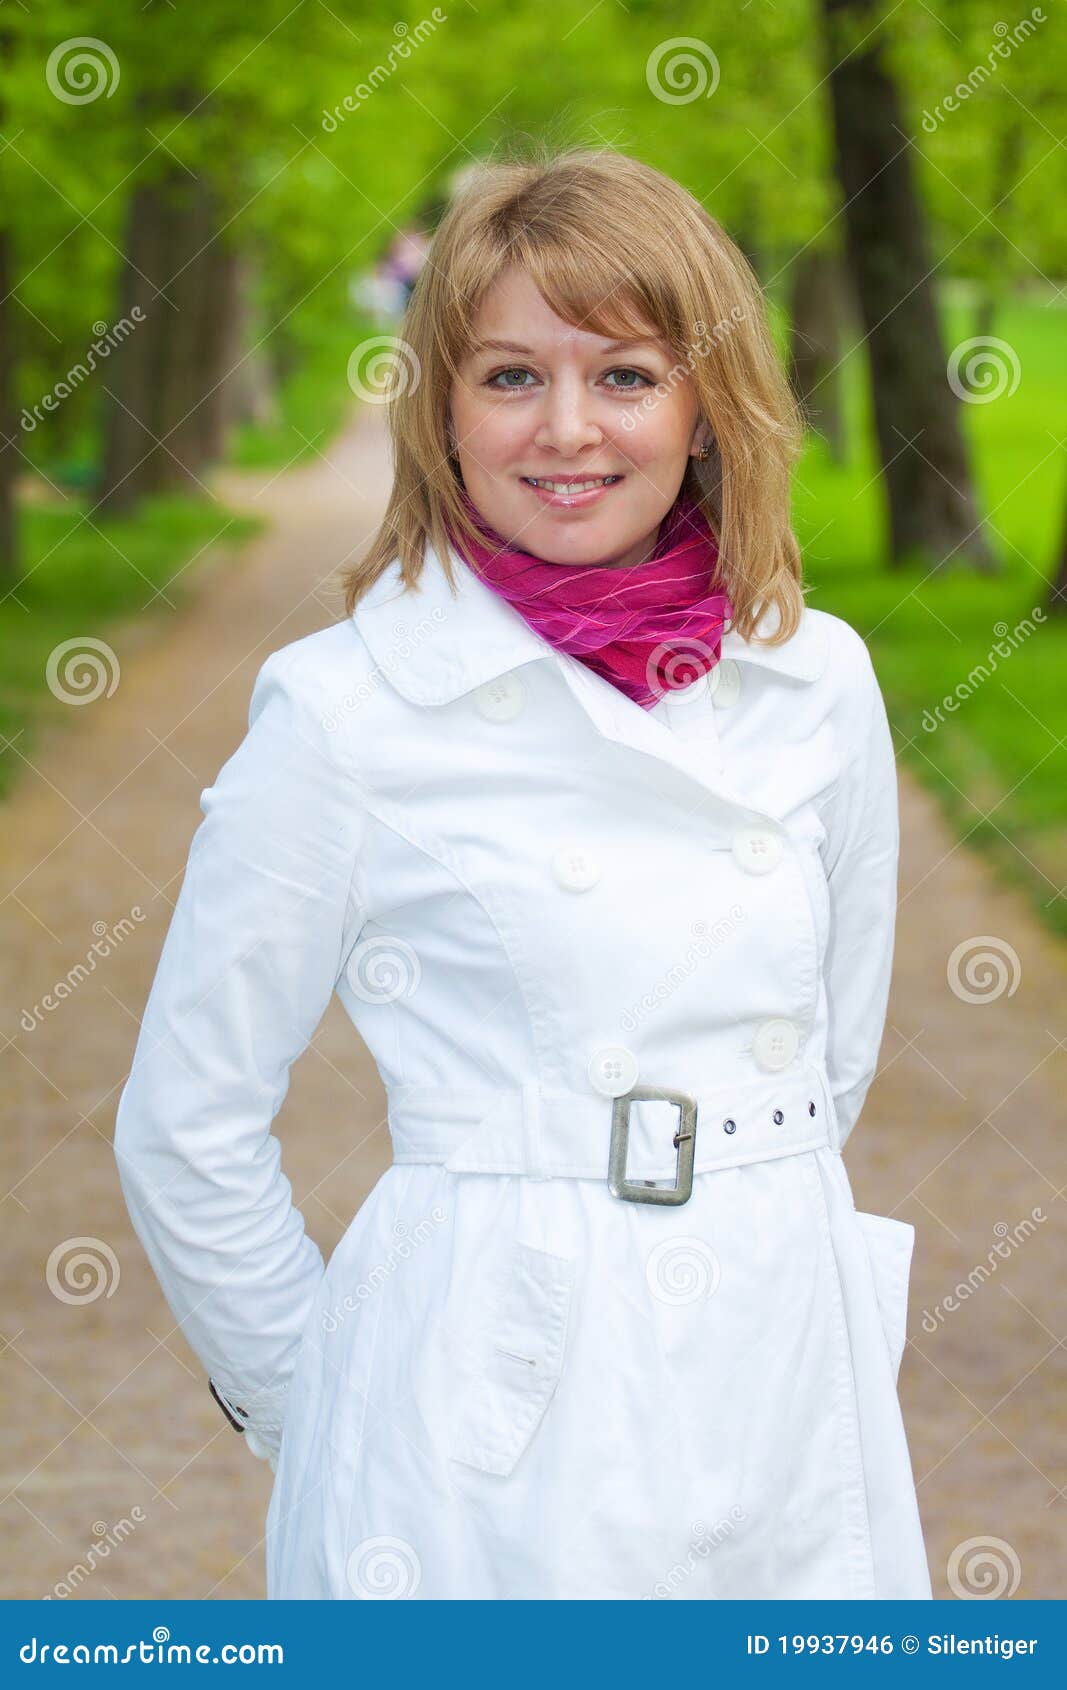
532	896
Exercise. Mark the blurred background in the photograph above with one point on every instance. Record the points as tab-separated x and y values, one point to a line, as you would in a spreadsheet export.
211	219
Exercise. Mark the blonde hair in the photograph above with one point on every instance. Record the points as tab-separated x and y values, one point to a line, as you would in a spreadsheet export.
612	245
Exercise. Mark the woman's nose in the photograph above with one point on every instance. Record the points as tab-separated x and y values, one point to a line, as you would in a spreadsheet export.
568	420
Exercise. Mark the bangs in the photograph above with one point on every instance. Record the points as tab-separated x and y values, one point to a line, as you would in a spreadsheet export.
586	284
591	291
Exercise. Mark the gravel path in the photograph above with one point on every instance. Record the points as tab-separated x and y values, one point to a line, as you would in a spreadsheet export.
115	1457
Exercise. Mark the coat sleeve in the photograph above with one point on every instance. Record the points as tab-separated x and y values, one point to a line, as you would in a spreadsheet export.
268	909
862	880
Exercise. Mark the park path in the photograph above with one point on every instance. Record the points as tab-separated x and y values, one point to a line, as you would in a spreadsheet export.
114	1455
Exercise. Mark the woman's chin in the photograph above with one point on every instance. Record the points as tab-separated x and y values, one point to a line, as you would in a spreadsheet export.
573	542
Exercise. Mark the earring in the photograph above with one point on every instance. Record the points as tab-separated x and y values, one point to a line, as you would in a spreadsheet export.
704	452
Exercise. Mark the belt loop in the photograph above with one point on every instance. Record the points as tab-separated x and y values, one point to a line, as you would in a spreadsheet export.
532	1151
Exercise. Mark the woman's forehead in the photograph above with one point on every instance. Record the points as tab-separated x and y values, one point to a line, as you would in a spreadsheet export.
513	316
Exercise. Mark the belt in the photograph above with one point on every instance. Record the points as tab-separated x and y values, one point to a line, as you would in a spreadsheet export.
539	1133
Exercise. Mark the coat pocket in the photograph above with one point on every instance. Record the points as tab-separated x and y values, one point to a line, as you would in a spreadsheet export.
889	1247
511	1359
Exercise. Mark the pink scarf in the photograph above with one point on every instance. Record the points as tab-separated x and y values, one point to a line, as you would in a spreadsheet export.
649	630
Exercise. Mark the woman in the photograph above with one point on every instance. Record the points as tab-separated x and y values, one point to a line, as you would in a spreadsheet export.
608	890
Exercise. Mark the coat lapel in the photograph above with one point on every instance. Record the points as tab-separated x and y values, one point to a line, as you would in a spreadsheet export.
434	647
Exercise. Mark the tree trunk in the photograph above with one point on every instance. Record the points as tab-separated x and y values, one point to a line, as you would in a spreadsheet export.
249	395
816	344
132	381
167	419
988	240
933	516
190	367
9	427
221	313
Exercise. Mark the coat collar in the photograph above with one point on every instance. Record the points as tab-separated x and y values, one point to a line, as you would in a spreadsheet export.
434	646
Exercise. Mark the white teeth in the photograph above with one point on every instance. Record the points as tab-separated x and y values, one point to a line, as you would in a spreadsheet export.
571	486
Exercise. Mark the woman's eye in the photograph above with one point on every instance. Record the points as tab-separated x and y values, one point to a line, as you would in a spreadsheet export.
495	380
513	380
632	385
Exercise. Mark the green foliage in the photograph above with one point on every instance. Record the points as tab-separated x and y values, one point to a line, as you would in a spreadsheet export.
248	96
324	127
996	754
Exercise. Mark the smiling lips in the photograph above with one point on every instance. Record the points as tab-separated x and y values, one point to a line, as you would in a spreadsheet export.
571	493
571	483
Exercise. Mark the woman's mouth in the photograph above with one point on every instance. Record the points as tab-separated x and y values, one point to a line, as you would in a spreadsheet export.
571	494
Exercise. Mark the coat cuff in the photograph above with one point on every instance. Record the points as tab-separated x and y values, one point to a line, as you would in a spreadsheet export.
259	1415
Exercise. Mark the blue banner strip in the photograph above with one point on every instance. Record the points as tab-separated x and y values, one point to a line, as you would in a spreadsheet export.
476	1643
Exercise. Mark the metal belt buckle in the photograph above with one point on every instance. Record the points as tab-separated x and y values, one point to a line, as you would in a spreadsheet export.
684	1142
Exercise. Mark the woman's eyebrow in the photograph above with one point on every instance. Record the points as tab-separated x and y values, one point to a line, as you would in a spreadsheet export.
528	351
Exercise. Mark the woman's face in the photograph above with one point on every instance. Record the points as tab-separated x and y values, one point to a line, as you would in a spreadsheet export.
537	400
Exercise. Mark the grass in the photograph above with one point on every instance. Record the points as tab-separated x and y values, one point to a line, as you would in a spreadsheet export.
79	579
998	760
82	576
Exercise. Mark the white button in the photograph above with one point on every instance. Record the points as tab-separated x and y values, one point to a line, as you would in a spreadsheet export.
502	699
725	683
575	868
775	1043
757	849
613	1070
